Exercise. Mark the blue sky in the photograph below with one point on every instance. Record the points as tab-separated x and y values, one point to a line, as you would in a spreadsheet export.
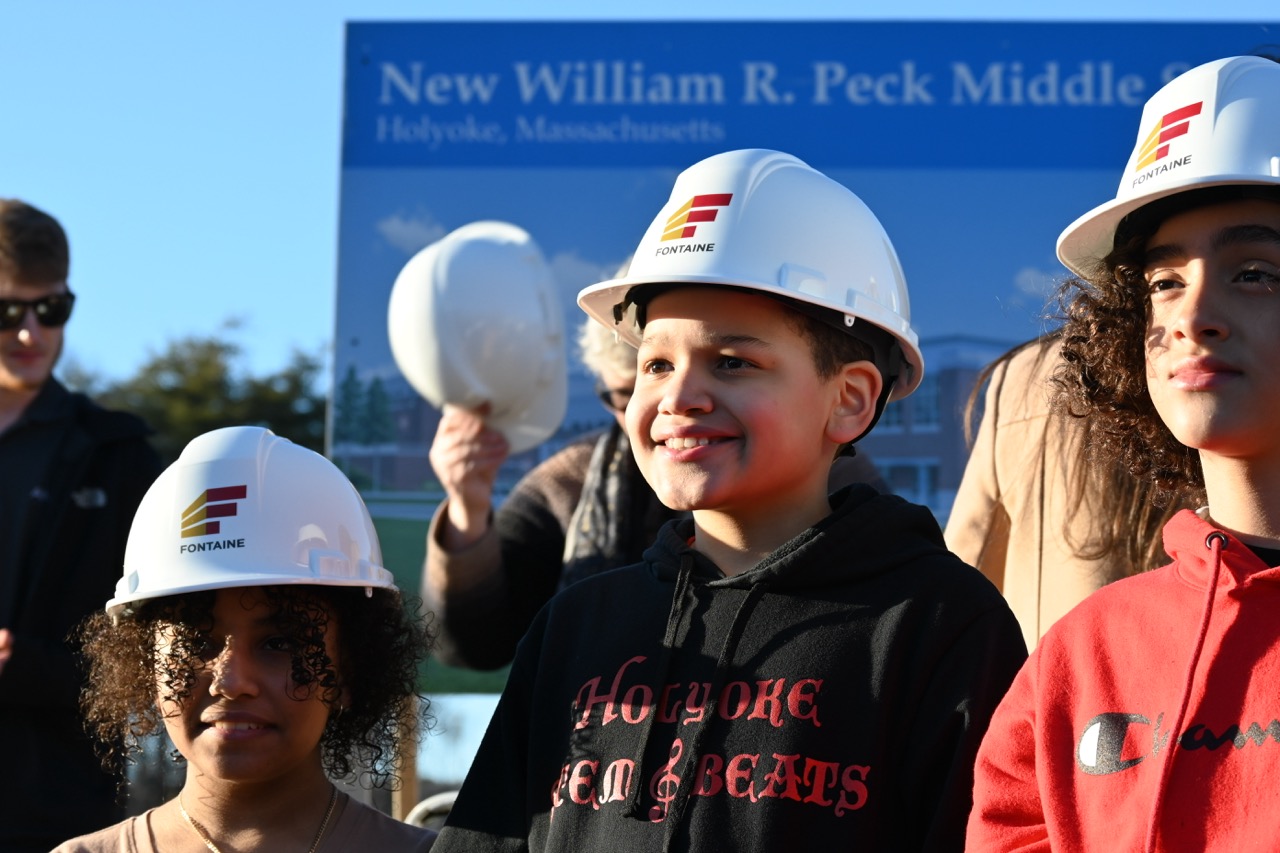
193	150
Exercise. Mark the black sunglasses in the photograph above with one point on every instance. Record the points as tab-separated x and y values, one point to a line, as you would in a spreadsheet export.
51	311
614	399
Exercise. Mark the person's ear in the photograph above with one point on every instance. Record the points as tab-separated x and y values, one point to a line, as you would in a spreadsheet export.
857	386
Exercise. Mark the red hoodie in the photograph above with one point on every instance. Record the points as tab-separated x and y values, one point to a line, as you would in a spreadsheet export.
1148	718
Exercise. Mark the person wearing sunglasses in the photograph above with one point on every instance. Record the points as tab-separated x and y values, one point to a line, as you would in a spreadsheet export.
71	476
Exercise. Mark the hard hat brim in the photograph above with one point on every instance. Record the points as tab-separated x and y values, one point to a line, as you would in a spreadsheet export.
1085	242
598	300
120	603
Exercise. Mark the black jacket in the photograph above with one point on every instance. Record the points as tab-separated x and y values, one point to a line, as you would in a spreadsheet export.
832	697
65	564
584	510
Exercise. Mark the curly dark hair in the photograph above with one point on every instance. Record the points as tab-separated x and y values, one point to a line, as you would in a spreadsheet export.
1103	374
1102	377
381	643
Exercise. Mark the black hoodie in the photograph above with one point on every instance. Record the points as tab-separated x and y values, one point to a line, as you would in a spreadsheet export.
832	697
62	549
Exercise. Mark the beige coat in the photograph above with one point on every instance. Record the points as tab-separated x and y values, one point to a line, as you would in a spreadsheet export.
1008	514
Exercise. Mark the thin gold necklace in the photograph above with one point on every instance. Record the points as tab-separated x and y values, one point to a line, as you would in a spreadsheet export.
199	829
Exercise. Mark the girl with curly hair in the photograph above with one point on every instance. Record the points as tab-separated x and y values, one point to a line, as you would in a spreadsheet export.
1146	719
256	626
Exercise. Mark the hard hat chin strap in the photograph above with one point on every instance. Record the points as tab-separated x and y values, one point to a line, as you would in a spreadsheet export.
635	303
882	401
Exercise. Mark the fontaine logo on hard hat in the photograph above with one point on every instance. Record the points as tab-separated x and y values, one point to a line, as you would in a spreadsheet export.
200	518
1215	125
1171	126
701	208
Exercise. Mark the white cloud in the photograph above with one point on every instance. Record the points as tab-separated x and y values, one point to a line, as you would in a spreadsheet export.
1034	282
410	234
573	272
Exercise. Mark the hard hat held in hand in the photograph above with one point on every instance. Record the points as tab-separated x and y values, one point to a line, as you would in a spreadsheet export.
1215	125
244	507
473	319
765	221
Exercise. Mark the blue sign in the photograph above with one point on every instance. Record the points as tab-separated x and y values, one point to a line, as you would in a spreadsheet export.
974	143
861	94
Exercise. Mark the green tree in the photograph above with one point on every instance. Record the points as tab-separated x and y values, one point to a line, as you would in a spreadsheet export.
378	428
194	385
349	409
287	402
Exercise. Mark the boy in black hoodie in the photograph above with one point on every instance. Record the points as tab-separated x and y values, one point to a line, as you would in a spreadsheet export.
785	670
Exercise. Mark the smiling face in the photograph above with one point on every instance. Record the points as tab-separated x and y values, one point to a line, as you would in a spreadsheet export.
1213	338
729	413
246	719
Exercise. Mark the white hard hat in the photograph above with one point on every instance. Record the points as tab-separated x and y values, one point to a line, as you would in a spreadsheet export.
244	507
765	221
474	318
1214	125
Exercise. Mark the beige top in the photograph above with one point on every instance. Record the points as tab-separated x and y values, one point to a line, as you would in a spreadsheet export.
1008	514
355	827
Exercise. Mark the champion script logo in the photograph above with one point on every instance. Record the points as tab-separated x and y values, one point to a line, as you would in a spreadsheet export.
701	208
1114	742
200	519
1171	126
